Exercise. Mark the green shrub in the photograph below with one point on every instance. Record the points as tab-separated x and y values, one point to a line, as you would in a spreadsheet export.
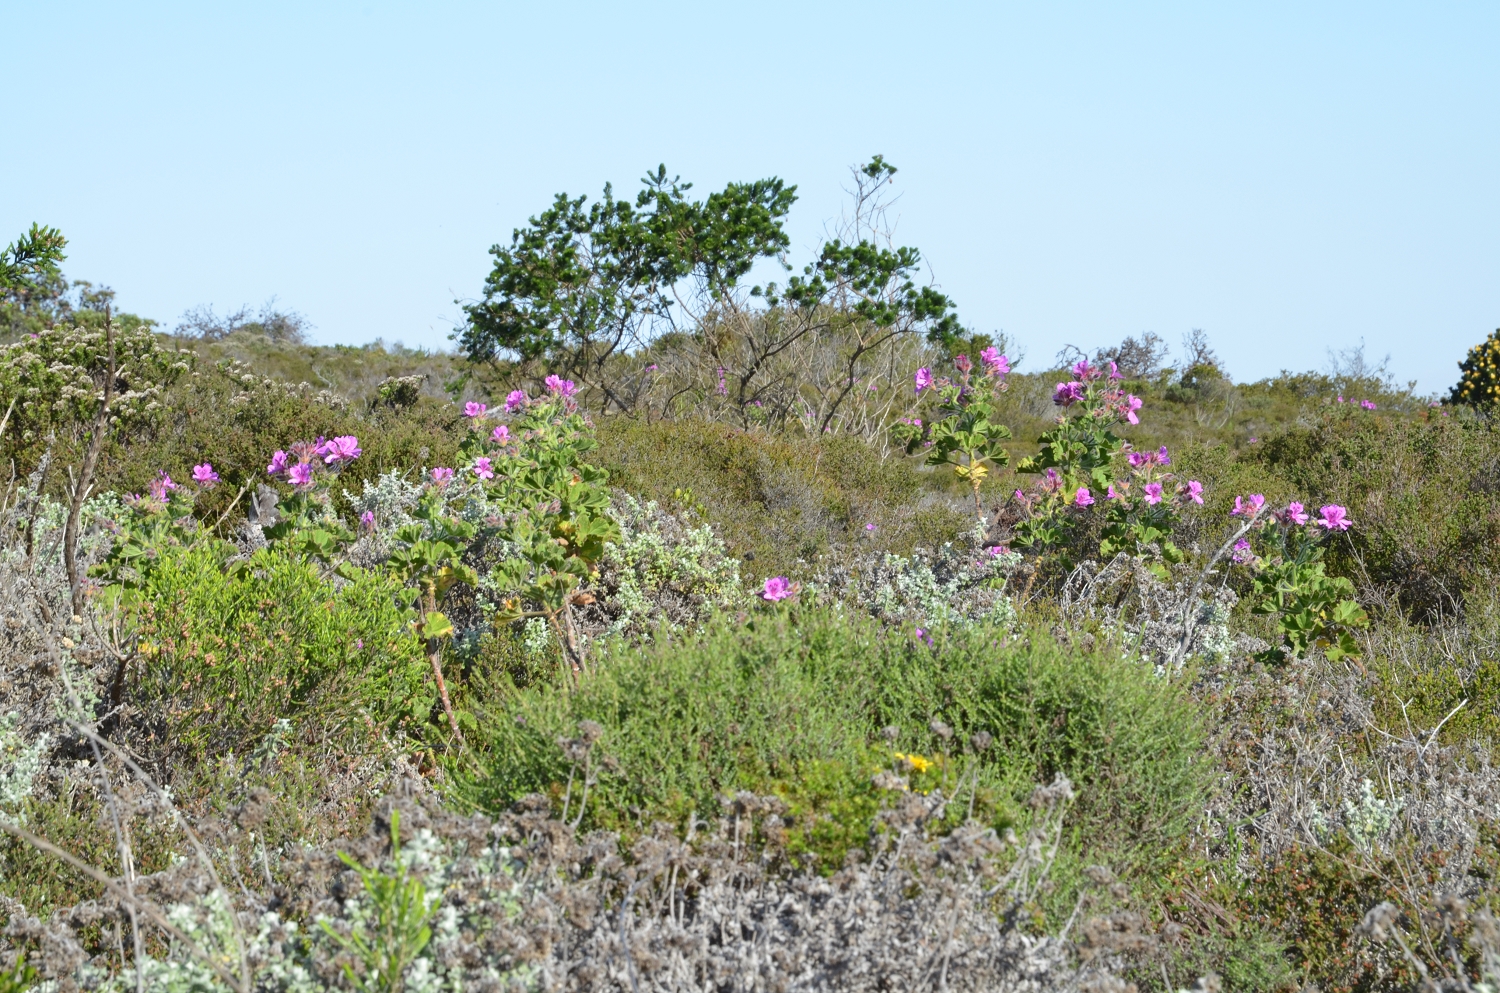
778	499
1421	493
795	703
227	653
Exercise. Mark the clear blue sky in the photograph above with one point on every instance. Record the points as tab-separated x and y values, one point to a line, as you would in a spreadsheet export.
1288	176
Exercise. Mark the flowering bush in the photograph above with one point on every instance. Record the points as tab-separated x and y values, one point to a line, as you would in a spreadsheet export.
1313	609
1083	462
1479	382
1082	448
548	507
960	428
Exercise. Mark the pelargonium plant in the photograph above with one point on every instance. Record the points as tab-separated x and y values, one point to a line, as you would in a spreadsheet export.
554	505
954	420
1083	446
307	521
1142	506
1283	551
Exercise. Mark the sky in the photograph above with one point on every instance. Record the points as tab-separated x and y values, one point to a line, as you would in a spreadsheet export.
1289	177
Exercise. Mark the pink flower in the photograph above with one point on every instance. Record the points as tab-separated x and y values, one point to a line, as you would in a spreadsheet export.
1132	404
1367	404
561	387
1242	553
514	401
1335	518
1152	492
994	363
161	486
1248	508
300	475
962	363
1083	498
1082	370
472	409
722	388
344	448
442	476
1112	495
1114	372
278	463
367	520
1295	513
997	550
1137	459
1194	491
923	378
776	588
1067	394
204	474
651	368
501	434
870	528
483	469
1162	456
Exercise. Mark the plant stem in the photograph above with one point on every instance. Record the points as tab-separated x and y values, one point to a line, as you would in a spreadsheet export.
86	474
434	653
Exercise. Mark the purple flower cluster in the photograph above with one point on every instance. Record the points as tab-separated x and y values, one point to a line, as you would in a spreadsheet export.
474	410
298	465
560	387
515	400
1107	401
1332	516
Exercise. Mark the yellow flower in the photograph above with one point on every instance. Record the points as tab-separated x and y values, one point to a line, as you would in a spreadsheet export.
917	762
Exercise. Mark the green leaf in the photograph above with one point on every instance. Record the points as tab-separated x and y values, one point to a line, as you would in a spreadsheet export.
436	625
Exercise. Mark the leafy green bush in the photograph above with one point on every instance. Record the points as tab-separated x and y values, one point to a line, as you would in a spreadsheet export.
229	652
1422	489
796	703
777	500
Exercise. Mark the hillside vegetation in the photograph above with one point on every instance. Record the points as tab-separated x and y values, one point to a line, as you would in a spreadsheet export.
368	668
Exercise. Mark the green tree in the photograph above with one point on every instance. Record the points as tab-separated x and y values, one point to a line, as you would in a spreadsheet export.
587	289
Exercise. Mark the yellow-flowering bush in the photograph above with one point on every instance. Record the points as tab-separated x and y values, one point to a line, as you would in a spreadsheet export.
1479	386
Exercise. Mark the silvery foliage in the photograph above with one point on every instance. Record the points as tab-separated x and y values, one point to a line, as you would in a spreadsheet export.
958	583
1369	817
282	957
536	637
662	571
42	646
522	902
20	762
1167	626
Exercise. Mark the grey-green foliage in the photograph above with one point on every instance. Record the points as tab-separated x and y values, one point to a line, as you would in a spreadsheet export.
664	570
959	583
282	957
20	761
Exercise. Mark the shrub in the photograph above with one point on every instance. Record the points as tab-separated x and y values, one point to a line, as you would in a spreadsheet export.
227	653
780	501
1479	380
796	704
